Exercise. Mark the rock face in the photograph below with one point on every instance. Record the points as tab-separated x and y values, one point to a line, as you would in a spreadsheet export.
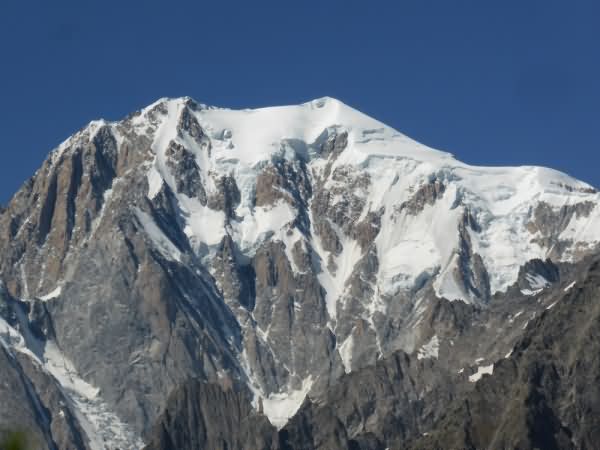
215	416
285	249
32	400
545	395
542	395
378	407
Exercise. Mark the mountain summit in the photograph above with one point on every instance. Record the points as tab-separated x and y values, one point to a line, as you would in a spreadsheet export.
272	252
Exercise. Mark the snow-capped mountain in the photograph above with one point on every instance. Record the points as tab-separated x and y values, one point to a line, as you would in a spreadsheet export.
278	249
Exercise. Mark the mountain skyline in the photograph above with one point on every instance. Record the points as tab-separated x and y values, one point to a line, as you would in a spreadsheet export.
506	84
276	257
316	225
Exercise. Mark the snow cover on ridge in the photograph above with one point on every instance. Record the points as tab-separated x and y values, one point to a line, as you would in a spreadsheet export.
500	199
413	247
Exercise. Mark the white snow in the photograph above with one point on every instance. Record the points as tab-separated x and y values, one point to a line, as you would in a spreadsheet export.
426	243
551	305
11	338
106	200
584	230
257	134
55	293
429	350
280	407
410	249
204	226
103	428
481	370
155	181
537	283
530	293
517	314
345	351
160	240
261	223
335	283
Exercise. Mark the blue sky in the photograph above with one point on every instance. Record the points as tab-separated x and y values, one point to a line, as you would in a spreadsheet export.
495	83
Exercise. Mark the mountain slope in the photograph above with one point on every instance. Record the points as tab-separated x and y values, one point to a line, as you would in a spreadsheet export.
214	416
283	247
545	395
542	394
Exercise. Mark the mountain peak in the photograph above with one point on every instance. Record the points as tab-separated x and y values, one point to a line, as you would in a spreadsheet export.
277	247
329	143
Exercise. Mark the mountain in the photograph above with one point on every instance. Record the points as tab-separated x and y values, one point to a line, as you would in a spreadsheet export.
540	395
546	394
264	259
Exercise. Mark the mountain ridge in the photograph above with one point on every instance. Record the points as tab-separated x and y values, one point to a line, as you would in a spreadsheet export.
281	247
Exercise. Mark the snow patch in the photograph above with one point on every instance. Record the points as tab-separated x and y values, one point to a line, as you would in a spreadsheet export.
551	305
429	350
10	338
158	238
281	407
204	227
155	182
481	370
335	283
345	351
54	294
530	293
517	314
261	224
103	428
537	281
584	230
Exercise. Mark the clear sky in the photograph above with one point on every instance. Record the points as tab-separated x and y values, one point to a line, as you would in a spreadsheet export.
494	82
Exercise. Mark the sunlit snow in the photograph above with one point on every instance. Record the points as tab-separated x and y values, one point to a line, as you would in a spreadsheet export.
429	350
481	370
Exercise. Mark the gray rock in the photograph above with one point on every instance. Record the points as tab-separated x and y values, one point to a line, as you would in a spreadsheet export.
227	197
186	172
543	396
212	416
140	306
427	194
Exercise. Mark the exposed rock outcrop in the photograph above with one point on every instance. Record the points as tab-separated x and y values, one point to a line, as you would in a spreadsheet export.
545	395
290	250
212	416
